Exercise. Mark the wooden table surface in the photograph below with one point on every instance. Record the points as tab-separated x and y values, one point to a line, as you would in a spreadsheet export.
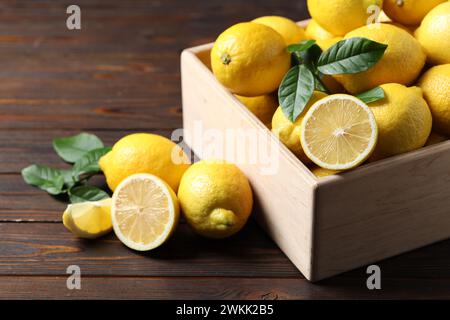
120	74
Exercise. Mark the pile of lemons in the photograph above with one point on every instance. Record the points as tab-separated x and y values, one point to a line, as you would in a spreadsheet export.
153	181
145	172
336	131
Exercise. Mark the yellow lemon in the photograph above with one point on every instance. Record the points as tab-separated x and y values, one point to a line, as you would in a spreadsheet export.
321	172
402	61
216	198
342	16
145	212
263	107
409	29
403	118
288	132
434	34
435	138
290	31
435	84
325	44
338	132
250	59
90	219
409	12
317	32
144	153
332	84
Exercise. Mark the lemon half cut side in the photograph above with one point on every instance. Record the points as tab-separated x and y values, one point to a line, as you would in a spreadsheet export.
90	219
339	132
144	212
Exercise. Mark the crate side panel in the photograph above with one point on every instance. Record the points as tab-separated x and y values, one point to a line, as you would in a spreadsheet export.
283	191
383	211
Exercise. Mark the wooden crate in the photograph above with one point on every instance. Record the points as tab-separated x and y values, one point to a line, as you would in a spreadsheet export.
329	225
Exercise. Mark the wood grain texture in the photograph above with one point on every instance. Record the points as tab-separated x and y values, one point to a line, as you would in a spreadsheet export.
48	249
20	148
212	288
118	75
122	67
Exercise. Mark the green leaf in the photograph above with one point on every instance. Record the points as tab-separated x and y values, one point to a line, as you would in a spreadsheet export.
44	178
352	55
86	193
302	46
372	95
69	180
88	164
295	91
73	148
309	57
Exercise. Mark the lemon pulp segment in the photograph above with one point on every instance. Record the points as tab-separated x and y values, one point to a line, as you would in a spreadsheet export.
144	211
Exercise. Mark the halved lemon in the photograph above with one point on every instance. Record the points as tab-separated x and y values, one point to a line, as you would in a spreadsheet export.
90	219
144	212
339	132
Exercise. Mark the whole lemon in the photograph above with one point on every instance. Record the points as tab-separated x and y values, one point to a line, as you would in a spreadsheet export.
290	31
401	63
435	84
144	153
409	29
250	59
341	16
317	32
403	119
409	12
216	198
263	107
288	132
434	34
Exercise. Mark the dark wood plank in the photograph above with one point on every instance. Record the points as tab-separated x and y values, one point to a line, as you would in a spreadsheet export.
120	71
48	249
137	115
218	288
